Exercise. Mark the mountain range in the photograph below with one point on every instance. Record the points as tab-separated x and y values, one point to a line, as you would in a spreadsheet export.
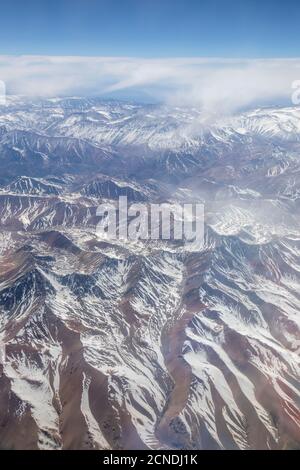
145	344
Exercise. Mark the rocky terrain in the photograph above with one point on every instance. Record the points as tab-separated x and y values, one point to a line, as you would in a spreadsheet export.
146	344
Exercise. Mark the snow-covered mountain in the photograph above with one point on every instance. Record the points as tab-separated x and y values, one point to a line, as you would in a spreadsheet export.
145	344
154	126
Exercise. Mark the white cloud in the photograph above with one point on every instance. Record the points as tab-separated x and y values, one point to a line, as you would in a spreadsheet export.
217	85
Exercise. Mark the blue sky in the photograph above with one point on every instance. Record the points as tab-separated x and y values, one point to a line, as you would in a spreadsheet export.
151	28
218	55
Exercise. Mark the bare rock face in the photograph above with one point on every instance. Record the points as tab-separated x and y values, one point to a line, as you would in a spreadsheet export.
118	344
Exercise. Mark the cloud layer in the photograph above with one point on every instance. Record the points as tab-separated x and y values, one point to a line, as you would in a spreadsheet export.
217	85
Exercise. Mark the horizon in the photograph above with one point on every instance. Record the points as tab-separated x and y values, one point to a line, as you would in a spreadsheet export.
216	55
149	229
213	84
